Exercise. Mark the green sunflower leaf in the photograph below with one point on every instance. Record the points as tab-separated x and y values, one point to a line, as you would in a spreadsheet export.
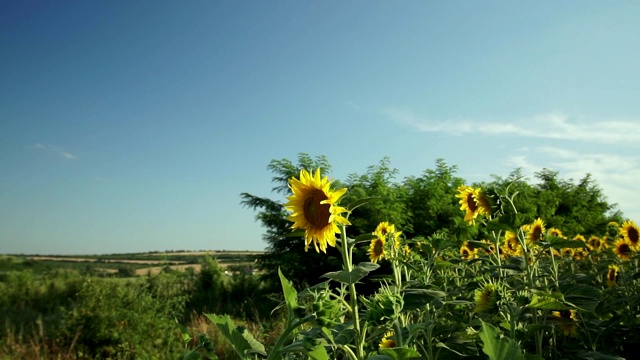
290	294
353	276
498	348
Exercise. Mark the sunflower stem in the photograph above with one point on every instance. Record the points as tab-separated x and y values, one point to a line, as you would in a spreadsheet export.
348	266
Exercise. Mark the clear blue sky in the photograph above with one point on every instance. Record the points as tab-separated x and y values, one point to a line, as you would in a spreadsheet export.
134	125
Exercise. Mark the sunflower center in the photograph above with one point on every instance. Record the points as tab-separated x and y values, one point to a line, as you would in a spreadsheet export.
315	213
633	235
471	203
625	249
537	233
377	247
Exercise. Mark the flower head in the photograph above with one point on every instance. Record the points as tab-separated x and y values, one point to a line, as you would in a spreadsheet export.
612	275
595	243
467	253
623	249
565	320
534	231
313	207
473	202
376	249
555	232
387	342
629	231
486	298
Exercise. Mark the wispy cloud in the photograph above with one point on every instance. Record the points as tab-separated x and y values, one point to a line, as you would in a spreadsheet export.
556	126
616	174
55	149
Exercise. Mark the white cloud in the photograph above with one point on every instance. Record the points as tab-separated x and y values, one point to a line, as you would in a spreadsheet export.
617	175
556	126
55	149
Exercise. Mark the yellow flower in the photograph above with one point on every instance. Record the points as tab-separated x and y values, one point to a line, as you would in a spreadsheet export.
623	249
613	229
595	243
468	202
565	320
376	249
384	228
580	237
466	252
387	342
555	232
612	275
313	208
568	252
580	253
512	246
629	231
534	231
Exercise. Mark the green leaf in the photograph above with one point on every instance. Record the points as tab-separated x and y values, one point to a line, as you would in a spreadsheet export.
243	342
540	301
417	298
379	357
400	353
183	331
594	355
498	348
365	238
353	276
560	243
318	353
290	294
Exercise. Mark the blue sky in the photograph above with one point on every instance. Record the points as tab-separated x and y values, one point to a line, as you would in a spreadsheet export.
134	125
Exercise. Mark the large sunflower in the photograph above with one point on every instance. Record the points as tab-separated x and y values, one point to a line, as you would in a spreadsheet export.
629	231
555	232
623	249
376	249
313	208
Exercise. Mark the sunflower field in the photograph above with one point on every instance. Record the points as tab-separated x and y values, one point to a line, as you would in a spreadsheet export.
438	269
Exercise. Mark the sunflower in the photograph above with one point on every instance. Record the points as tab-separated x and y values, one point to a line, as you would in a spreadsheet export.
595	243
580	253
623	249
484	206
555	232
384	228
612	275
466	252
629	231
511	244
568	252
376	249
613	229
313	208
580	237
534	231
387	342
486	298
565	320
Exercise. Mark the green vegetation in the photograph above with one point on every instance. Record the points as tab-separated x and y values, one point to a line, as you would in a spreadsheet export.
429	268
